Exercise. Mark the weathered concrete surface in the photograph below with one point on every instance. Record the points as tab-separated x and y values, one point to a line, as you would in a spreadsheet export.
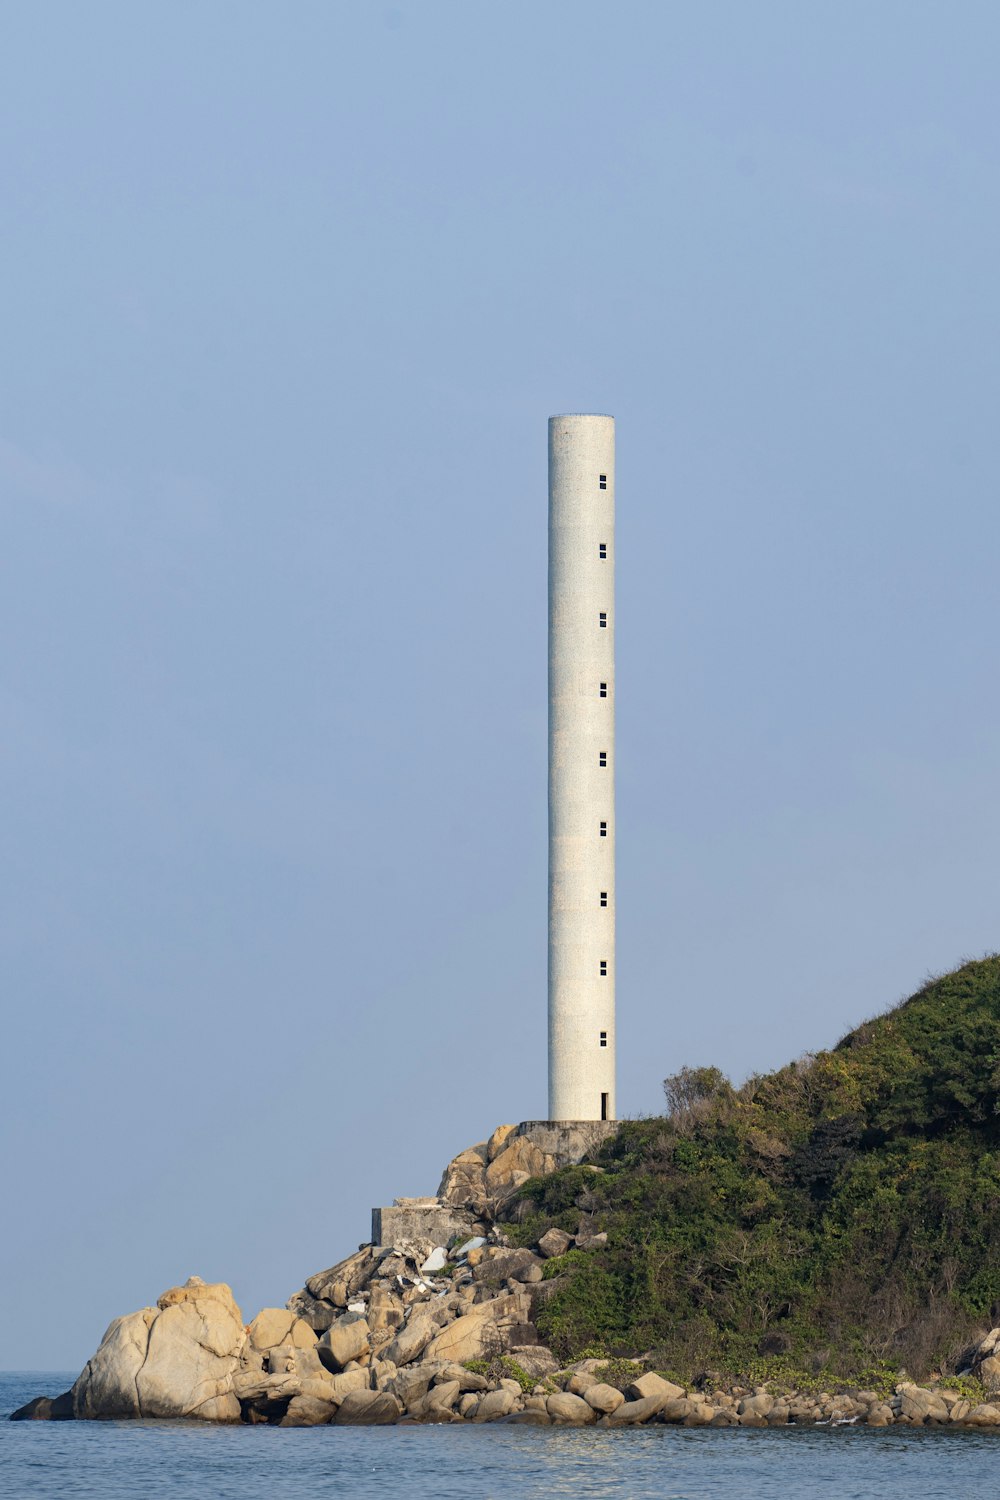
426	1221
581	784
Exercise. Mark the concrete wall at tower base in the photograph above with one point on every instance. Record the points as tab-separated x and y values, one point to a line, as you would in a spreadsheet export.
422	1221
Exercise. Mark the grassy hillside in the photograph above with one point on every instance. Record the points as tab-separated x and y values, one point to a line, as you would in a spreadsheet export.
841	1215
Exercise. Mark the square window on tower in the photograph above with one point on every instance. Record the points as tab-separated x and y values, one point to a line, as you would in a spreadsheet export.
603	620
604	830
604	1038
602	757
602	549
602	480
604	968
604	690
604	898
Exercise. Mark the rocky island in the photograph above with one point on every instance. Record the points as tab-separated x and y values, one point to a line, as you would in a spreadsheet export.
819	1245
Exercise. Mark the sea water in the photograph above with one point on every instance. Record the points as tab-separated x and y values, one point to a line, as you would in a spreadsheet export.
198	1461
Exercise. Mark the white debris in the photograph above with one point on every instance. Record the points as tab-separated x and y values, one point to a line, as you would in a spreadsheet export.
436	1261
474	1244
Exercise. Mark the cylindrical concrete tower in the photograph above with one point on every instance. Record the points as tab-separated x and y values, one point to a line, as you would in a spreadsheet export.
581	768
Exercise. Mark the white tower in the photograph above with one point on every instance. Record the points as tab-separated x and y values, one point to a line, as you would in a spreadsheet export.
581	768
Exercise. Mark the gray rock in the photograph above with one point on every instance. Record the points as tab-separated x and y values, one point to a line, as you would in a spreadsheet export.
567	1142
367	1409
495	1404
344	1279
757	1406
318	1314
468	1380
411	1340
410	1385
504	1264
565	1407
308	1411
535	1360
632	1412
655	1385
439	1400
603	1398
920	1405
345	1340
554	1242
46	1409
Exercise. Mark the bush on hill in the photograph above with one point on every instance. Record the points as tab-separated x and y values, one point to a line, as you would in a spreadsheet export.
841	1214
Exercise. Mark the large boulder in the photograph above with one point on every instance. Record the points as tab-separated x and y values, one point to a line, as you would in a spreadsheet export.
278	1325
498	1140
603	1398
308	1411
985	1361
534	1359
519	1160
566	1408
468	1380
106	1385
410	1385
554	1242
631	1412
177	1360
436	1404
500	1264
464	1182
367	1409
652	1384
920	1405
470	1337
385	1309
312	1310
340	1282
194	1349
481	1332
984	1415
271	1326
494	1405
345	1340
411	1340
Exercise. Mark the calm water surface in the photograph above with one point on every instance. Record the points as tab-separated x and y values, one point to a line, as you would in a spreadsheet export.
191	1461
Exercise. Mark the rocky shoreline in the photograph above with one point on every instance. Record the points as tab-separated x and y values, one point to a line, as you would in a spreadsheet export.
421	1331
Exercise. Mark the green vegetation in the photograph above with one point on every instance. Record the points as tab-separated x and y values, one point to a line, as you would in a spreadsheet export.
502	1367
619	1372
838	1218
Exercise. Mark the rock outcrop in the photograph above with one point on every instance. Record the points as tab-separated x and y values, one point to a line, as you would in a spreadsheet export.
428	1330
175	1360
481	1179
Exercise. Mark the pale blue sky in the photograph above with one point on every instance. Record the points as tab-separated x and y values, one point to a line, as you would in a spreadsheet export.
289	292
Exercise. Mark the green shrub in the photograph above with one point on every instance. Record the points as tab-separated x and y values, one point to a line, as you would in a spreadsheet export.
838	1217
501	1367
619	1372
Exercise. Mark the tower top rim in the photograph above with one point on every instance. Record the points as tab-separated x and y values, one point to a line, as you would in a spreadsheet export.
602	416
